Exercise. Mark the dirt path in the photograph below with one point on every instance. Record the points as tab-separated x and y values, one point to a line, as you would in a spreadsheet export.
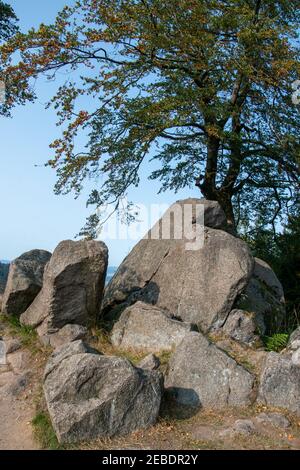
15	423
16	404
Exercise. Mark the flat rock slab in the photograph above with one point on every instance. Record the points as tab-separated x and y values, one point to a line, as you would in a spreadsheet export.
147	328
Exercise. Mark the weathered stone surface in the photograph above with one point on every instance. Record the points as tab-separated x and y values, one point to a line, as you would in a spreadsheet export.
68	350
12	345
296	358
4	269
294	340
146	328
202	375
265	274
264	296
150	362
196	286
275	419
19	361
72	288
67	334
241	326
280	383
214	216
244	427
91	396
24	281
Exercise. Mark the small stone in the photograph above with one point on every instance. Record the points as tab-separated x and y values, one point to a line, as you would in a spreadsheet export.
243	427
150	362
18	384
12	345
18	361
68	334
276	419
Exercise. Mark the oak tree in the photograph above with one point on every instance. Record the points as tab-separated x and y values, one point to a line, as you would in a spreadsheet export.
202	87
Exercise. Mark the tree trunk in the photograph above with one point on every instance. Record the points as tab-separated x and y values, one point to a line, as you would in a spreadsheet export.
225	201
208	187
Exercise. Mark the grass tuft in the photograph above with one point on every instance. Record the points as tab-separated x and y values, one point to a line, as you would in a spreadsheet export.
44	432
26	334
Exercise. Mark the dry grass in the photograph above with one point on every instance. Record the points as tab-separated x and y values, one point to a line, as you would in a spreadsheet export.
100	340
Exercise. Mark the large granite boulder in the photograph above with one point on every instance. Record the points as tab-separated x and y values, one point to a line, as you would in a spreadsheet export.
280	383
202	375
90	396
24	281
264	296
197	286
147	328
72	287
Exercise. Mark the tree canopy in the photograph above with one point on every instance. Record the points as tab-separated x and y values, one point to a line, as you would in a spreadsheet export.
8	21
202	87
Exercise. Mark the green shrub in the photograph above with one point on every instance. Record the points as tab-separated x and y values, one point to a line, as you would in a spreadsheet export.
276	342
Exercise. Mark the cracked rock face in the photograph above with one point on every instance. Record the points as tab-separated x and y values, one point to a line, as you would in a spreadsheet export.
90	396
202	375
195	286
72	286
147	328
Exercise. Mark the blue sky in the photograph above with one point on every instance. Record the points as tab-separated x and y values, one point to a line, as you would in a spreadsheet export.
31	215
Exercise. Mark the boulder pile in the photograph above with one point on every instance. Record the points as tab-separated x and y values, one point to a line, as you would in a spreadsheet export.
206	309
